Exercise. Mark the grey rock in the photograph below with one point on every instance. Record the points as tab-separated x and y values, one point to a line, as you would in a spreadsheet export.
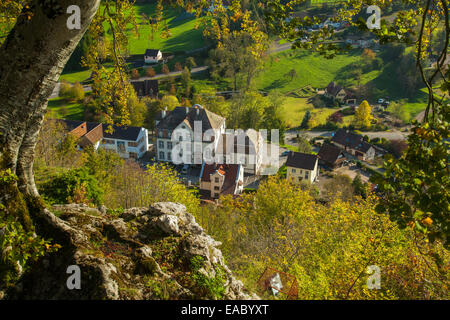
168	223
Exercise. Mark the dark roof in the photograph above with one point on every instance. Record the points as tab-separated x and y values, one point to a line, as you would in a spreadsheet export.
333	88
189	116
151	52
329	153
349	94
347	138
301	160
160	115
230	171
363	146
351	140
146	88
122	132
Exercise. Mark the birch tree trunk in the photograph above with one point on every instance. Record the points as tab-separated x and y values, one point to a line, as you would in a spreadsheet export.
31	61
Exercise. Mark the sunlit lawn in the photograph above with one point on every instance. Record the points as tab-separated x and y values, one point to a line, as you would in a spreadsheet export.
61	108
294	109
311	69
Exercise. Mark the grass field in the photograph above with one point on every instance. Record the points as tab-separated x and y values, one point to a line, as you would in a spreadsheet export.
73	77
184	34
294	109
184	37
60	108
311	69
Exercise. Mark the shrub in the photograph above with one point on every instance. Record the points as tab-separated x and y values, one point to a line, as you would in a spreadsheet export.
64	89
165	69
150	72
19	246
77	92
75	185
135	74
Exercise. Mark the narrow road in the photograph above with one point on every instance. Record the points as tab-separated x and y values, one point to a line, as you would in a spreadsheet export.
87	88
171	74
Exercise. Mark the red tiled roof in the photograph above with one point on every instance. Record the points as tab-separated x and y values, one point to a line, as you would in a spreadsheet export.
229	171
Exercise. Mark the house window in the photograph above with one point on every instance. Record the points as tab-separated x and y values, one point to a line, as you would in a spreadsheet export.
132	144
216	179
108	141
301	171
293	170
169	145
161	144
216	188
121	146
169	134
133	155
161	155
169	156
180	138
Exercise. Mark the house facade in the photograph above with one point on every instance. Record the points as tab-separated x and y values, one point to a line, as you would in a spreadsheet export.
177	130
341	94
302	167
242	147
153	56
354	144
128	142
221	179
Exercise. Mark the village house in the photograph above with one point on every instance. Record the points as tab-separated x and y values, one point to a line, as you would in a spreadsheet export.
330	156
182	120
242	147
354	144
127	141
221	179
333	90
146	88
302	166
153	56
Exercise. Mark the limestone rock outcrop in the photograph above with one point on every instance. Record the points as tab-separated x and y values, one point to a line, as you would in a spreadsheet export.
158	252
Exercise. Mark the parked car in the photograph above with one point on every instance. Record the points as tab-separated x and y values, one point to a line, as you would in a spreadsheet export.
285	153
380	100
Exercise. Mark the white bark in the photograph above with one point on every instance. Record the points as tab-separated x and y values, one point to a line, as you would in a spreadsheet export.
31	61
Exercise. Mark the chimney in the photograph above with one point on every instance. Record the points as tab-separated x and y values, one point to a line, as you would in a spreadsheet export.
163	114
187	110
